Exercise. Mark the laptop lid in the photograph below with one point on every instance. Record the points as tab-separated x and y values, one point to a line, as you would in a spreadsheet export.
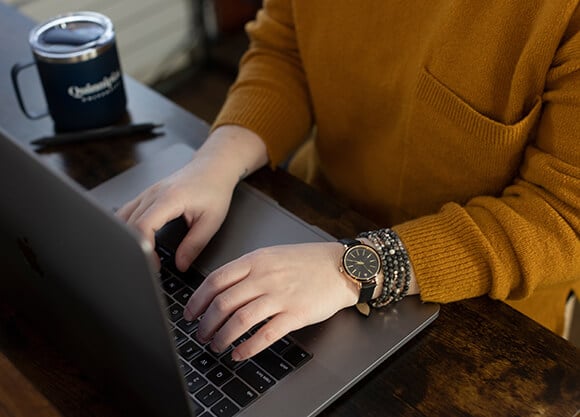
97	274
83	267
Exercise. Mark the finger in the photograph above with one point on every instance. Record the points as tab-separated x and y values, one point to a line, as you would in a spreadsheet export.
139	205
146	200
195	240
242	320
127	209
272	331
153	218
144	205
214	284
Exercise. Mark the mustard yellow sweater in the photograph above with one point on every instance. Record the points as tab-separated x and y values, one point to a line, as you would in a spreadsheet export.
455	122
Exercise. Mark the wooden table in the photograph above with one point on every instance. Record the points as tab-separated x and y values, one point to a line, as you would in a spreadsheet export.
479	358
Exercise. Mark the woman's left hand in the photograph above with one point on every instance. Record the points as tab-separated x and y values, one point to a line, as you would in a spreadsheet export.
292	285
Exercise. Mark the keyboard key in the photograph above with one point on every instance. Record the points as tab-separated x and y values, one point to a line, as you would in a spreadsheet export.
239	392
172	285
281	345
203	362
194	382
189	350
224	408
219	375
209	395
182	296
179	337
255	377
296	355
273	364
193	277
175	312
187	326
230	363
185	367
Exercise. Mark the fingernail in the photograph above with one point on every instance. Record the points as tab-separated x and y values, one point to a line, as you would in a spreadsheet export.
187	314
236	356
183	263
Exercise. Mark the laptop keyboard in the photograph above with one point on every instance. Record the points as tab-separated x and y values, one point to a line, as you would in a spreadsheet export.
218	386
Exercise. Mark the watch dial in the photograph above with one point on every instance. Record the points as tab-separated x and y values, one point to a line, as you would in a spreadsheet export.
361	262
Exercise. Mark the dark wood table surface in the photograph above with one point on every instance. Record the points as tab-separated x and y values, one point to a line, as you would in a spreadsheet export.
479	358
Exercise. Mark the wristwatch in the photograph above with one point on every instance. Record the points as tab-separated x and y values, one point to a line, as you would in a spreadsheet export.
362	264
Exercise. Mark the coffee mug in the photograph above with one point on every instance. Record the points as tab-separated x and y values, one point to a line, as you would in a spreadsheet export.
77	61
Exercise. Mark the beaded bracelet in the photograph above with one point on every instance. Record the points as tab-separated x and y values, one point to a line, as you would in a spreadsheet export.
396	266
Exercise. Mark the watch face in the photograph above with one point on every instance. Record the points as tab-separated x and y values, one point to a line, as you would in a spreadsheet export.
361	262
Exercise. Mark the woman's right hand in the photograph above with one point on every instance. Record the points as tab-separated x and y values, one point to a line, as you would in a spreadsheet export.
201	191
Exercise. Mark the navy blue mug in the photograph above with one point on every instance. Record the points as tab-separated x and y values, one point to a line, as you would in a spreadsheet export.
79	68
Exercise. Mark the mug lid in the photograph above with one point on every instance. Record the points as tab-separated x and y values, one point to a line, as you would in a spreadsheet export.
72	36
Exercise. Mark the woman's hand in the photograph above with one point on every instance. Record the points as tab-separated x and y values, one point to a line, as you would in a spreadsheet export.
200	192
292	285
192	192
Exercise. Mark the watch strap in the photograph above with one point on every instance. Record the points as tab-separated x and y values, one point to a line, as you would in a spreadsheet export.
349	242
366	291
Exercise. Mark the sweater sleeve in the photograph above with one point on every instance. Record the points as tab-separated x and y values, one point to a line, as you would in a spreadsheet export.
270	96
528	237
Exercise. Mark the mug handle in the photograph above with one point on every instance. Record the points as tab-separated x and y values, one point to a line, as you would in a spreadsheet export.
16	68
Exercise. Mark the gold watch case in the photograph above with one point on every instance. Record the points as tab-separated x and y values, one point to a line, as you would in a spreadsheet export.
361	262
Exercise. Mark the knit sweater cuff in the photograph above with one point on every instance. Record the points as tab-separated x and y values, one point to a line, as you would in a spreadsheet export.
445	252
281	122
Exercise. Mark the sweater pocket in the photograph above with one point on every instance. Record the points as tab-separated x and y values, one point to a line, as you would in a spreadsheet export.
454	153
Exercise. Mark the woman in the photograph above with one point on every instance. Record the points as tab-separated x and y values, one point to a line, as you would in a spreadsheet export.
454	124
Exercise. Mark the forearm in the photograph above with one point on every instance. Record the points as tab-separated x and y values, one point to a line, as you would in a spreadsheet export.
505	247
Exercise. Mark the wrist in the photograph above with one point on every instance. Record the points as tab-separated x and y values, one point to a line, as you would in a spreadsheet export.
396	266
233	151
351	288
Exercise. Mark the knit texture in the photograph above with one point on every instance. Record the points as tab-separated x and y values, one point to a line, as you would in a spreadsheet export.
455	123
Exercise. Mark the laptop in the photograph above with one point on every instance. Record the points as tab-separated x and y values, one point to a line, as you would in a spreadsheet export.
120	317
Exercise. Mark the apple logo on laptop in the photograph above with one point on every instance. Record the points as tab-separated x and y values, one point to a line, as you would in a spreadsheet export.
29	255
